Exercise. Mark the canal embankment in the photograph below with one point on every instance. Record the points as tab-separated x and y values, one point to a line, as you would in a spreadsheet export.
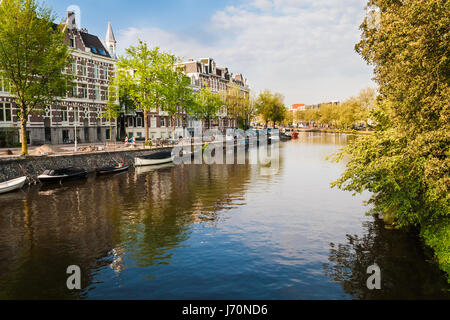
32	166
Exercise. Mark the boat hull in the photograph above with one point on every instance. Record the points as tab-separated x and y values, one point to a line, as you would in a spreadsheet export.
106	171
12	185
53	179
141	162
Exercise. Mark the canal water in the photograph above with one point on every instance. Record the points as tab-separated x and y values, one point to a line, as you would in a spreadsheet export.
210	232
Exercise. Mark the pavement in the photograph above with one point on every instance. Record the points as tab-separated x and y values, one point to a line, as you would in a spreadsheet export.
70	148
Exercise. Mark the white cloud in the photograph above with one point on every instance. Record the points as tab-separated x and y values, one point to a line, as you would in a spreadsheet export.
303	49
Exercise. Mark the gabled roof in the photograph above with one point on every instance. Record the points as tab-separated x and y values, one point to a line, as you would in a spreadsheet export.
94	43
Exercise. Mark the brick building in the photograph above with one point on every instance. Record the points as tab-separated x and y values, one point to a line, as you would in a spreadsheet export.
93	65
201	72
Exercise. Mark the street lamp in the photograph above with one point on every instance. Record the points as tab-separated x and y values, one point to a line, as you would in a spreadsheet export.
75	128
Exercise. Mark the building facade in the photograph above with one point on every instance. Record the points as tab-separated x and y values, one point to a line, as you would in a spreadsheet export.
92	65
202	72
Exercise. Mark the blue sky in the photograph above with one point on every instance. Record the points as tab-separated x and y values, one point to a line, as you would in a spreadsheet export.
303	49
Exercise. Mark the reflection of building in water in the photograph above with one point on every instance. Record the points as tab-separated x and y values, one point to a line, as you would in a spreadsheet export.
96	223
118	262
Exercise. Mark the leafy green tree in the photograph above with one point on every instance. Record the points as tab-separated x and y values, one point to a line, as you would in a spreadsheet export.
405	163
178	95
207	105
113	108
33	58
141	73
239	105
270	107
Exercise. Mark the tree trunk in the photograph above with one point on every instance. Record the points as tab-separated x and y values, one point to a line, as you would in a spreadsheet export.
23	130
110	130
173	127
146	125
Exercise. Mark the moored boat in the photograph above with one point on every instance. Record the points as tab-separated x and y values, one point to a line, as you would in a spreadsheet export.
154	159
50	176
12	185
110	170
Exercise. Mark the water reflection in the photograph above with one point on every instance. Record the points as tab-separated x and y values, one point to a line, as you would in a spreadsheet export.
406	268
199	231
97	222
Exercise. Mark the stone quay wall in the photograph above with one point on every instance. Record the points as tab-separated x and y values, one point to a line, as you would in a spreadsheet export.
10	168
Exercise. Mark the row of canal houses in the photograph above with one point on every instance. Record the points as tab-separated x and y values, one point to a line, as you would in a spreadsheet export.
94	62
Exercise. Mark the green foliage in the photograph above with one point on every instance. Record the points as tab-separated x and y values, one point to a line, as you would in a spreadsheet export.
33	55
177	94
270	107
342	116
141	74
207	105
113	109
239	106
405	163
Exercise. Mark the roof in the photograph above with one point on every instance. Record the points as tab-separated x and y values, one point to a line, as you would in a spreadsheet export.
110	34
296	106
94	43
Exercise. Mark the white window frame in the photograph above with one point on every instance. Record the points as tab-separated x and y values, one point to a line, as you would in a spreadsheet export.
96	71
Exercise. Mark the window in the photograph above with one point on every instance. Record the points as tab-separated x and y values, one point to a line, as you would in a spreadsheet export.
139	122
105	72
72	41
5	112
74	68
153	122
108	134
95	71
97	92
84	92
64	114
162	122
77	115
83	69
75	91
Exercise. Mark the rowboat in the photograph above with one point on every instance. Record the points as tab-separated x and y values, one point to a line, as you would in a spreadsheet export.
154	159
50	176
12	185
111	170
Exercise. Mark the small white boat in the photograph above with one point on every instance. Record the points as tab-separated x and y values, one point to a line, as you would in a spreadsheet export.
12	185
154	159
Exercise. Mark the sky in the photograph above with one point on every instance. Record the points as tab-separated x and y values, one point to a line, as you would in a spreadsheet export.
303	49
